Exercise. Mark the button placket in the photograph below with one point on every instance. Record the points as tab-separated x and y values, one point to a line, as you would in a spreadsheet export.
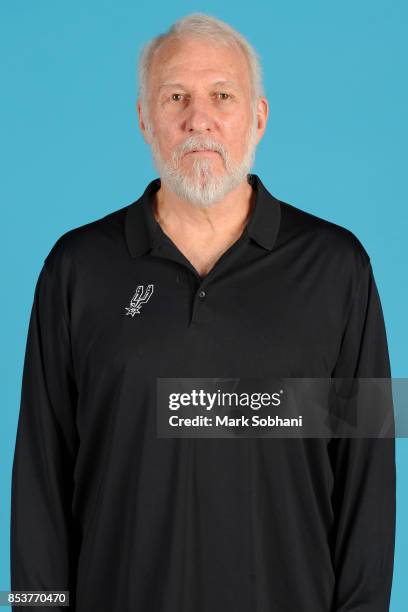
201	313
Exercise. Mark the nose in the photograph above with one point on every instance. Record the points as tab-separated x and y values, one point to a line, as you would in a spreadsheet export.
199	117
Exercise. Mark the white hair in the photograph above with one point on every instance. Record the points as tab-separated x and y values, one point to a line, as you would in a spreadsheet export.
198	25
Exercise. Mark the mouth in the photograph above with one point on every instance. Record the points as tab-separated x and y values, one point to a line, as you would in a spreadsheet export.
202	152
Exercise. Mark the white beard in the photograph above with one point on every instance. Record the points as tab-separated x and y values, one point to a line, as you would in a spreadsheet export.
202	187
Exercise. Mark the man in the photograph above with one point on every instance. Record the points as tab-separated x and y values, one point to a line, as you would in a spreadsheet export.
206	275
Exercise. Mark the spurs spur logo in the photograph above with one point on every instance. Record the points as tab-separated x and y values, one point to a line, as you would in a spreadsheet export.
140	297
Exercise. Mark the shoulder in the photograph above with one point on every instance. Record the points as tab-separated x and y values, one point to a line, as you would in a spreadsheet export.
86	242
335	244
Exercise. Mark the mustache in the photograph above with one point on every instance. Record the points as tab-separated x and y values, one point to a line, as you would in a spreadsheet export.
199	143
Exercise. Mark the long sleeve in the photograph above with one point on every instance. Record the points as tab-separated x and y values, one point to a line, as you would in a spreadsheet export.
43	538
364	475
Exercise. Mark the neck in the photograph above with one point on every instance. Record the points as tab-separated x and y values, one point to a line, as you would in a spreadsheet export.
227	217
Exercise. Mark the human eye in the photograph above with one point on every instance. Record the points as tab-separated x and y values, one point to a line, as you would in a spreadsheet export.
223	95
176	95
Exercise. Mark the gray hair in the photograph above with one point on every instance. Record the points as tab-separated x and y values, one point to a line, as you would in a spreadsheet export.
198	25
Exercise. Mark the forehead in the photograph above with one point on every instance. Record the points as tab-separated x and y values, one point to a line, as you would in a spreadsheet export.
189	58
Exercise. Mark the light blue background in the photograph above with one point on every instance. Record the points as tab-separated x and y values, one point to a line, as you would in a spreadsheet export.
336	145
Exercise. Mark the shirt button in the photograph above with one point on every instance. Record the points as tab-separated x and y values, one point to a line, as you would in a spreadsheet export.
202	294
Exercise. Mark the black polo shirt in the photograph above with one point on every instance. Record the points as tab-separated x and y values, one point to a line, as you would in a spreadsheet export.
129	521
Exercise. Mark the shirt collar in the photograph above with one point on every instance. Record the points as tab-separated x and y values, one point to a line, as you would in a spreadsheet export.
141	228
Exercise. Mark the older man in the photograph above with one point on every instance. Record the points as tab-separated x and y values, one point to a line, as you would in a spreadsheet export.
206	276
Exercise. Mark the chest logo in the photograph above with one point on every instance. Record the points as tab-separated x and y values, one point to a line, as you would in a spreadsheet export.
140	297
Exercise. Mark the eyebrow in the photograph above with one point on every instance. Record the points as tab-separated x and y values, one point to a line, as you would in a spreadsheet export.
219	82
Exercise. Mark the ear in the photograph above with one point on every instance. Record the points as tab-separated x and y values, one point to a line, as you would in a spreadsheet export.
142	125
262	116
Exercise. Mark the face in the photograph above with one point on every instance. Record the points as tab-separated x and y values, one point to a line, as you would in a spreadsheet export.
203	123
